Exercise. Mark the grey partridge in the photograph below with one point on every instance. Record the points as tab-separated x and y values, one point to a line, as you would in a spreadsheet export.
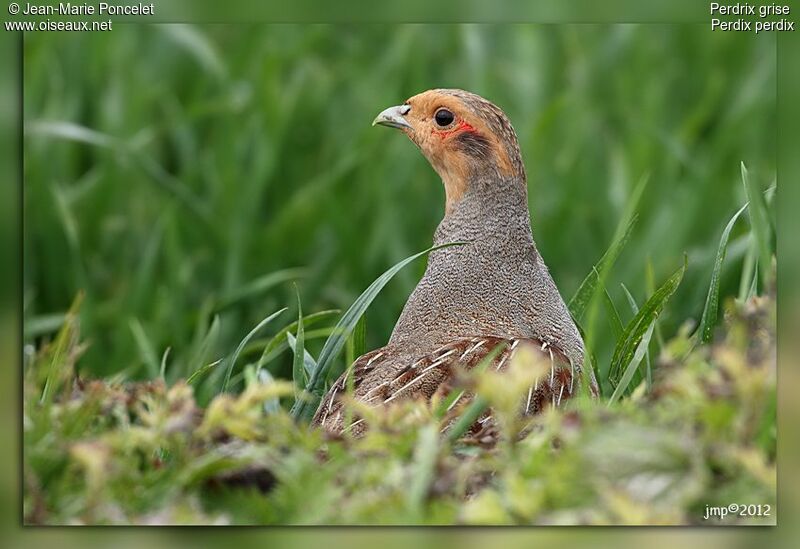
495	289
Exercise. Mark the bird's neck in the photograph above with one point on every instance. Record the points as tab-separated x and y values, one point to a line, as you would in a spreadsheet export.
492	209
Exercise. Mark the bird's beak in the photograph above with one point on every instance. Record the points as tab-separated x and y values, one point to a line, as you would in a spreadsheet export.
394	117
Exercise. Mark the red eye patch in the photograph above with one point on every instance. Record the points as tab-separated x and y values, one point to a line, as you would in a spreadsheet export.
462	126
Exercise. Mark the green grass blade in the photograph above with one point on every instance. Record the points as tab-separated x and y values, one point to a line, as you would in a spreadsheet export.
146	348
196	44
298	347
641	351
631	300
205	341
308	361
162	372
70	131
621	234
271	352
271	405
635	309
248	337
478	405
753	289
650	280
303	409
638	326
590	366
203	370
59	368
748	268
613	315
772	212
249	375
709	318
759	221
424	469
272	345
257	287
357	342
580	300
43	325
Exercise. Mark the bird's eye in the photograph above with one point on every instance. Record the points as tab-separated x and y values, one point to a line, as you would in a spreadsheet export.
443	118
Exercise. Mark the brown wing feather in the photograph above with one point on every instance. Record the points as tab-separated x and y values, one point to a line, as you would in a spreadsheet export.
379	380
330	407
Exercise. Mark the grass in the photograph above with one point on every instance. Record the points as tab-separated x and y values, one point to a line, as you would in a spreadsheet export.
181	212
113	453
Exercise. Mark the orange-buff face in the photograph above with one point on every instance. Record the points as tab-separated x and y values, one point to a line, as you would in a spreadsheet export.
462	135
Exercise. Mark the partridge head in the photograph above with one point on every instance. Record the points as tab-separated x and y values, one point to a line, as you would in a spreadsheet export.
464	137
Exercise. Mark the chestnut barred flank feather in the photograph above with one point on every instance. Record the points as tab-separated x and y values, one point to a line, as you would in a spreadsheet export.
494	289
380	379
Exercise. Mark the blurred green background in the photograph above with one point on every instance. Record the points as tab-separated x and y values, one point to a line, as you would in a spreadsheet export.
174	173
